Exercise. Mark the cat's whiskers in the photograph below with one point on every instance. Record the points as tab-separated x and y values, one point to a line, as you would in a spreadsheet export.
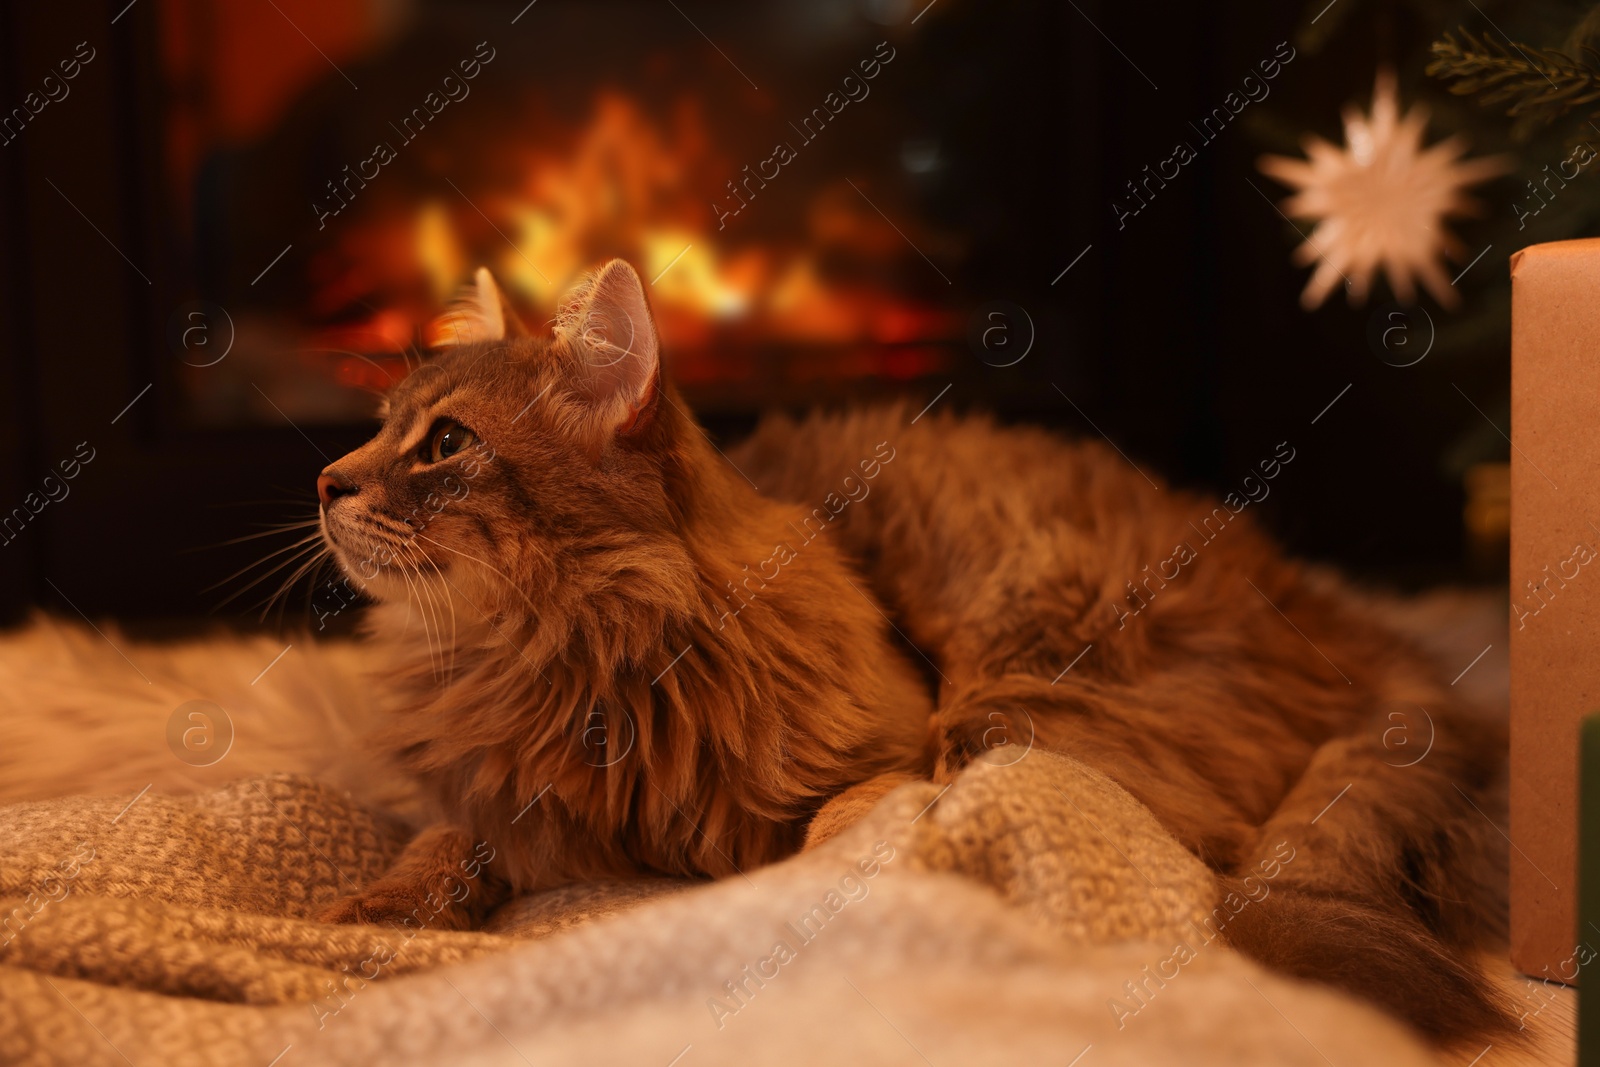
308	539
297	551
413	603
444	593
272	531
418	596
429	604
303	551
316	558
325	562
503	576
414	598
389	524
424	599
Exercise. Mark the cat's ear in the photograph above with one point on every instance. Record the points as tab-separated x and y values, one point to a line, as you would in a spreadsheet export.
607	321
480	312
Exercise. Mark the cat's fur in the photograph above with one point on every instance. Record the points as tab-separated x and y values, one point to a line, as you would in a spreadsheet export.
651	665
597	709
1250	701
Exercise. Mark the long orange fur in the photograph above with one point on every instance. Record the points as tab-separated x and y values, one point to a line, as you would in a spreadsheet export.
612	653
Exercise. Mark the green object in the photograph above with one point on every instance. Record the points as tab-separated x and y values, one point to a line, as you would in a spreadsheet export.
1538	86
1589	893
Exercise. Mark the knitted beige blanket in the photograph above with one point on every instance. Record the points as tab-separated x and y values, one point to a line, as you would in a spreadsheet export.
1029	913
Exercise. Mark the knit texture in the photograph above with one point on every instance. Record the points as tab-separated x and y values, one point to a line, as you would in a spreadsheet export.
1013	917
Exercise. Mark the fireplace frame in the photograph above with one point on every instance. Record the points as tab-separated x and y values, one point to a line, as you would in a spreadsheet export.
88	283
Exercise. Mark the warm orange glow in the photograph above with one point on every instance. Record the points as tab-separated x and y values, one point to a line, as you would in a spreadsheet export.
633	185
627	186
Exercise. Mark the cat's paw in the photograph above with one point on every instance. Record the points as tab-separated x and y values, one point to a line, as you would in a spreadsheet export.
849	807
396	904
376	906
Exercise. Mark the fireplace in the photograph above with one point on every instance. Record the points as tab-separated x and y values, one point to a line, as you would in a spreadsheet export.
334	171
241	221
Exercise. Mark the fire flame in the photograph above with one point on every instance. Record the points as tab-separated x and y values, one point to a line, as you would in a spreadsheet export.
630	185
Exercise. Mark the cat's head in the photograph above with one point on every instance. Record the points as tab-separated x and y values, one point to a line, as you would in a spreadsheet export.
517	468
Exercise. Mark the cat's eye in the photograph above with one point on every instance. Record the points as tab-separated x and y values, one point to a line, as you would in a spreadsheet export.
449	438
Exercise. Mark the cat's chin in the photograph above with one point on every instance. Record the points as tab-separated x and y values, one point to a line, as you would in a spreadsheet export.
363	574
382	584
362	566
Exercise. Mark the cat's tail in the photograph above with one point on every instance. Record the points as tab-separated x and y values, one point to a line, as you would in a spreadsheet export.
1381	872
1397	876
1382	956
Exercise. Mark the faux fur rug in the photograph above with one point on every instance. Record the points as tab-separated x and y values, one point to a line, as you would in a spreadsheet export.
1026	914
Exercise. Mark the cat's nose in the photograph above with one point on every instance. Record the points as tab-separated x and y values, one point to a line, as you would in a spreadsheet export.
331	485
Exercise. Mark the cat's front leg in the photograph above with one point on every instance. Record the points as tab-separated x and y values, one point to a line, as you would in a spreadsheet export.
443	880
843	810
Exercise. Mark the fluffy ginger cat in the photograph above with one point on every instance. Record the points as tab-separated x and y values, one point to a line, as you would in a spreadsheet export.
633	660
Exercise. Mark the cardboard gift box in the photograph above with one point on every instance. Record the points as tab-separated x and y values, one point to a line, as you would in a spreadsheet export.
1555	591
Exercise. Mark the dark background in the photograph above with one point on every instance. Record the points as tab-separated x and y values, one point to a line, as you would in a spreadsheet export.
1180	335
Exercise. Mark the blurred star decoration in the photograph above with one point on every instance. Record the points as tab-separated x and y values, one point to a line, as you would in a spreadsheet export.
1381	201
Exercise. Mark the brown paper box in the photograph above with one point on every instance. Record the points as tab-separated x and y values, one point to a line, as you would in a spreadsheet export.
1555	587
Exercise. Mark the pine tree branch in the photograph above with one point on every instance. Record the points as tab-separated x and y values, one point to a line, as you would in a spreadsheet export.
1539	85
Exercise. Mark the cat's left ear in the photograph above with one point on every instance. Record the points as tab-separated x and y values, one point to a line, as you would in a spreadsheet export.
480	312
608	323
